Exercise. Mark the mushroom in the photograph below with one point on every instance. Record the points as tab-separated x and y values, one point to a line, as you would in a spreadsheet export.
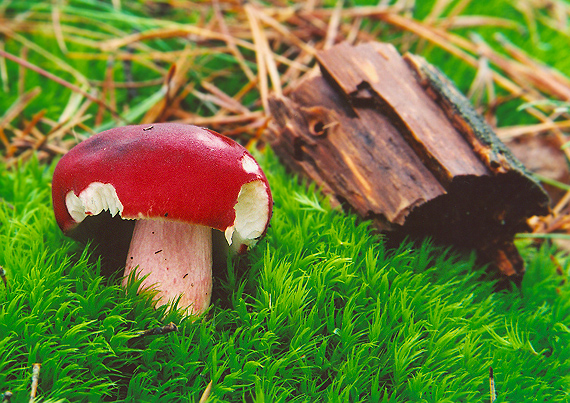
181	184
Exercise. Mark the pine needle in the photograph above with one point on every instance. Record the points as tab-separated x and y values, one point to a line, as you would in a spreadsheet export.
35	381
57	79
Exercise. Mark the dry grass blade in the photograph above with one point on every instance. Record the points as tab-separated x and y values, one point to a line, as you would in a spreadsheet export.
154	55
334	23
4	71
437	10
17	108
483	83
174	81
22	71
35	381
452	44
29	127
126	85
231	104
259	49
492	393
60	63
511	132
284	32
521	79
462	49
458	9
356	12
231	43
14	111
219	120
55	13
561	205
160	33
269	59
108	91
206	394
57	79
472	21
530	76
68	122
536	68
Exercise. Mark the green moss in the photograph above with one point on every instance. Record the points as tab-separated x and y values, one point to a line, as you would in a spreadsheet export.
320	310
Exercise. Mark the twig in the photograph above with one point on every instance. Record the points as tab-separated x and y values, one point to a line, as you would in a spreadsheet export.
7	396
171	327
4	279
492	385
35	380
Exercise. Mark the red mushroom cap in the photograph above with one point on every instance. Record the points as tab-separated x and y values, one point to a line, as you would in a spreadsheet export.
167	170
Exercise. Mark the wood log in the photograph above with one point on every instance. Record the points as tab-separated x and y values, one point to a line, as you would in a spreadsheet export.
392	139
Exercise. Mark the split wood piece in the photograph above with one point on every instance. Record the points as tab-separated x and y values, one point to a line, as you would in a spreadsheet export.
391	138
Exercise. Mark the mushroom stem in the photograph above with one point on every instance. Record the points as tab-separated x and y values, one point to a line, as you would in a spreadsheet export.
177	257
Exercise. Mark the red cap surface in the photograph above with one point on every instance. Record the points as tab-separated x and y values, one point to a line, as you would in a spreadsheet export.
166	170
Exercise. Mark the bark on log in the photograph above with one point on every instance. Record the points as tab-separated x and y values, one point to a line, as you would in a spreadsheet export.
393	139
